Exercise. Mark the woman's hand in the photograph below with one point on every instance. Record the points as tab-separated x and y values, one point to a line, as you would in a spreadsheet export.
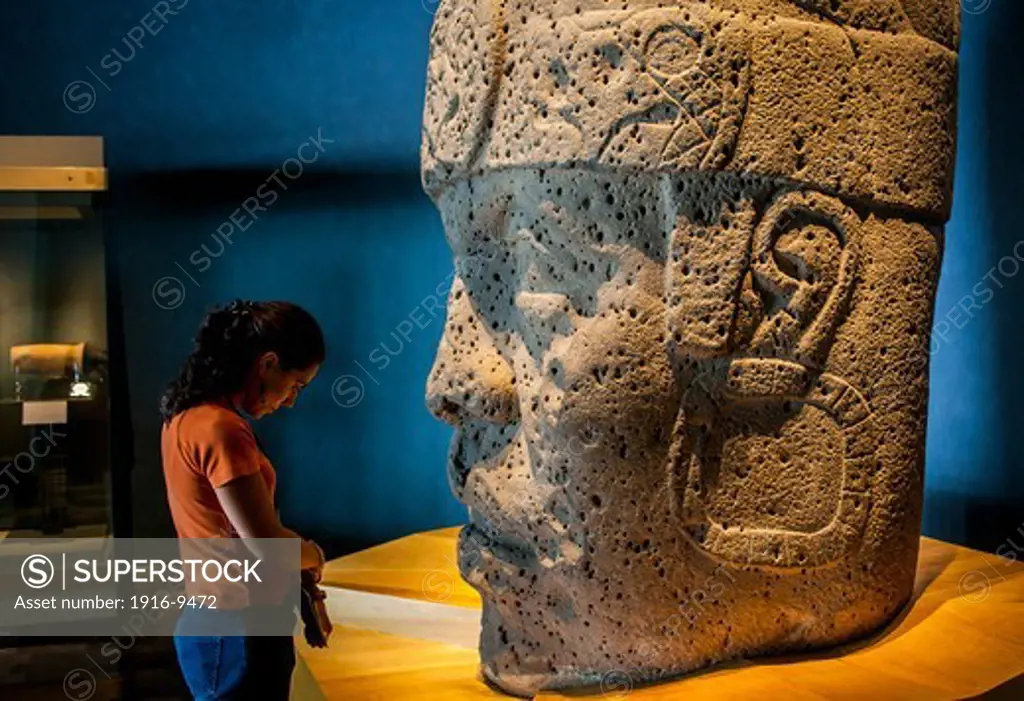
312	553
249	507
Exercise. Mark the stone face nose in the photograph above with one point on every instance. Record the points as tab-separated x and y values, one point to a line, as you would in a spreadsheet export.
470	380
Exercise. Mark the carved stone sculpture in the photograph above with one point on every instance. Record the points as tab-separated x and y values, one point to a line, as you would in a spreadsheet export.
697	247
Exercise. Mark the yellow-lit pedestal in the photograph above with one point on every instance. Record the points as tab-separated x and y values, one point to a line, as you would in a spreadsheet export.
406	627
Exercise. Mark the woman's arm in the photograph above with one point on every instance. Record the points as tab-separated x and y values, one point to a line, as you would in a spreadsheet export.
248	506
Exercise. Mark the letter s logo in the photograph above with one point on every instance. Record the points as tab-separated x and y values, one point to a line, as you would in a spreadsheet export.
37	571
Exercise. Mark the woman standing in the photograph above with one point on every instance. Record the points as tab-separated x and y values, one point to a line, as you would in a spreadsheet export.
249	360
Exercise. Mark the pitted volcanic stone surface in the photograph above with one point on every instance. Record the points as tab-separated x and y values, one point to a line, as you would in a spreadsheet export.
697	248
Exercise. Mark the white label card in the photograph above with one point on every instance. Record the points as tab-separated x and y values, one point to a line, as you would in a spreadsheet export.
44	413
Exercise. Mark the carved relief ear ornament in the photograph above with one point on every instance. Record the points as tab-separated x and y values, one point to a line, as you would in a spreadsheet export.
777	372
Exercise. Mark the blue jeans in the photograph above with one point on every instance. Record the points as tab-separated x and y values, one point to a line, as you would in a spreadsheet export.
230	667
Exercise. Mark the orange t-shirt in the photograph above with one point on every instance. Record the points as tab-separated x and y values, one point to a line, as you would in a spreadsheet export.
203	448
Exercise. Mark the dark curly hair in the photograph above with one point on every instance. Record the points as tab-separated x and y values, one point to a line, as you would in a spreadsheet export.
230	340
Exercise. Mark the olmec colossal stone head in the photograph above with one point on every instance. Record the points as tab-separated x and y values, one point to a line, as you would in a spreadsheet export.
696	248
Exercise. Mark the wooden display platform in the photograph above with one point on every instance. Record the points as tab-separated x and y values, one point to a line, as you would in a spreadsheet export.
406	627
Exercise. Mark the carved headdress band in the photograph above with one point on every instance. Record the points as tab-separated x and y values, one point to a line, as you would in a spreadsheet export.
860	113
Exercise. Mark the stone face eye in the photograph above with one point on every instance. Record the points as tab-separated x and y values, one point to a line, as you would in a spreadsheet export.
541	272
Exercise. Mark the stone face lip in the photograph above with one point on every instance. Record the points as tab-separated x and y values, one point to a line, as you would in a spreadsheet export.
686	351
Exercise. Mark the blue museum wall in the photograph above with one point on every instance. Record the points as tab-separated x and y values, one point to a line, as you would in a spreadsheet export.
229	84
975	468
359	458
220	95
215	100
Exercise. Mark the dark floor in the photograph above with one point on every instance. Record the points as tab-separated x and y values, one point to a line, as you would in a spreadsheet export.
138	669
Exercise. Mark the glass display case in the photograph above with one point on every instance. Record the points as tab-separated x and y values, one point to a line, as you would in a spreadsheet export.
54	401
